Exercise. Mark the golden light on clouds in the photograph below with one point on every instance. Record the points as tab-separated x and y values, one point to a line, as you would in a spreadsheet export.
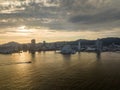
23	29
58	20
23	34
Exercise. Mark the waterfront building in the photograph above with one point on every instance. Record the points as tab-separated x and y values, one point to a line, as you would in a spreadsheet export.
32	45
44	43
98	45
79	46
33	41
67	49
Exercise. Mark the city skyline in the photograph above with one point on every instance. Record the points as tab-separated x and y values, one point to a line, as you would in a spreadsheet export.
58	20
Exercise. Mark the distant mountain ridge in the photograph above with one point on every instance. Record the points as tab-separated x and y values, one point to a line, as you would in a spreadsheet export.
11	44
108	41
105	42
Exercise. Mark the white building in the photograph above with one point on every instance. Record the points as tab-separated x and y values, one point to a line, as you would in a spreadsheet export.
79	46
67	50
98	45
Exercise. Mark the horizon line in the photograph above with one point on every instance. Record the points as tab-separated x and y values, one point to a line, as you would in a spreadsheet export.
57	41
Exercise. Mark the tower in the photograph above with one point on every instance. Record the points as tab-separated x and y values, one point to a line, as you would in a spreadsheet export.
33	41
98	45
79	46
44	43
32	45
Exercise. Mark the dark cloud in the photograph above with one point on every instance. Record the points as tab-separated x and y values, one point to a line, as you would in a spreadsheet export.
62	14
104	17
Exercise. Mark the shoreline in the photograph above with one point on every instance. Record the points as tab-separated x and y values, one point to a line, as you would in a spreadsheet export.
58	52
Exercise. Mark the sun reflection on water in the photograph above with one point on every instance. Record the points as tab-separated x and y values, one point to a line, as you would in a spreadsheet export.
21	56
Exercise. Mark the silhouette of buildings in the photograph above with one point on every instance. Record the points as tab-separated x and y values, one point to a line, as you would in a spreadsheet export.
71	46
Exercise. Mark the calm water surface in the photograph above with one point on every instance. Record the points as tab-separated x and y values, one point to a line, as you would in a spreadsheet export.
53	71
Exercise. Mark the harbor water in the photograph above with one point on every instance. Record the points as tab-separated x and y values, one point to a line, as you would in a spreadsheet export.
54	71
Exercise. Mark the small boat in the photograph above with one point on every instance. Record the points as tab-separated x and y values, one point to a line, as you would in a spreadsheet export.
28	62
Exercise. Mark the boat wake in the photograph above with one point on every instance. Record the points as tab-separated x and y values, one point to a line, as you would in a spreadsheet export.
4	64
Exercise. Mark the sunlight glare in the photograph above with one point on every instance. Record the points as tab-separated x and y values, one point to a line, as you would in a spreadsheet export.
23	29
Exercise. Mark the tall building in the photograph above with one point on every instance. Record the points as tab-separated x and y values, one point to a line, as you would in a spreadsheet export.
44	43
33	41
98	45
79	46
44	46
32	45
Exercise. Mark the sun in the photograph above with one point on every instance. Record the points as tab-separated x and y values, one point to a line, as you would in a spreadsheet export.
23	29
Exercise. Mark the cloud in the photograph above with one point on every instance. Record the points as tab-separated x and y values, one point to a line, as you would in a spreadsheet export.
69	15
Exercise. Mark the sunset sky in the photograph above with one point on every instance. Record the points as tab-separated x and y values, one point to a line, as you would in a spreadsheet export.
58	20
